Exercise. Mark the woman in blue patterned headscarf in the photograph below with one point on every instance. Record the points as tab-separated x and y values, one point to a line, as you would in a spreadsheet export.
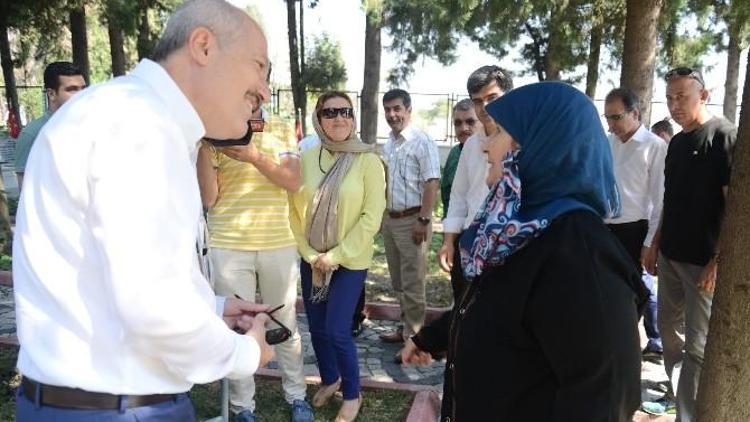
547	325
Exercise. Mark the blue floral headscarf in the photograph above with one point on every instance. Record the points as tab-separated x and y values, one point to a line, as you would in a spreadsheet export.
564	164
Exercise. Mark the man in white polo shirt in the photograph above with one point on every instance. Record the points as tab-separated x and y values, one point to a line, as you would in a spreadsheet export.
115	320
469	186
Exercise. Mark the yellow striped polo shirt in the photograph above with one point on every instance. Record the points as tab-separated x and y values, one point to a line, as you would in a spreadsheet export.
251	213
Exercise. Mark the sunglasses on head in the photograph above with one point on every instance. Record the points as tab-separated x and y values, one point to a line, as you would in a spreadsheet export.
331	113
687	72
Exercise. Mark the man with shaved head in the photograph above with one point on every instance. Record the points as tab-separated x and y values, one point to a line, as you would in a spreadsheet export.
696	181
115	319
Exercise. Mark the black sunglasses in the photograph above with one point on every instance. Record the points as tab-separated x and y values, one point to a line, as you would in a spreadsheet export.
685	71
614	117
331	113
277	335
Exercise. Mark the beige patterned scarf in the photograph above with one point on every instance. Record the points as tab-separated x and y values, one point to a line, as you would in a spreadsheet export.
322	223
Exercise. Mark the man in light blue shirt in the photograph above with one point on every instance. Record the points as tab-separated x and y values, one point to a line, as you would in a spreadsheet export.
62	80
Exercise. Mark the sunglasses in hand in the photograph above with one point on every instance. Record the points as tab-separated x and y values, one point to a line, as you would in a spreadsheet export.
276	335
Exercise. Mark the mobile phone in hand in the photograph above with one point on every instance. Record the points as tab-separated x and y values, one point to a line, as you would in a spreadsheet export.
253	125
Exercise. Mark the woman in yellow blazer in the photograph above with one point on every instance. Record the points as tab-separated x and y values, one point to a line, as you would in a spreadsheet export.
334	218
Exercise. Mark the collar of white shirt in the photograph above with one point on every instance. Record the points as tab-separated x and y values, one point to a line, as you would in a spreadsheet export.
640	135
166	88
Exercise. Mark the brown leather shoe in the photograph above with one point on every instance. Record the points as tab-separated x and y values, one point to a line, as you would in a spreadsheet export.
396	336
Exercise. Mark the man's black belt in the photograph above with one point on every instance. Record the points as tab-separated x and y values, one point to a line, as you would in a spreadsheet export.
74	398
405	213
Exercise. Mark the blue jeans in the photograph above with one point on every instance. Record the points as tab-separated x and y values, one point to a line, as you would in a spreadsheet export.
180	410
649	316
330	327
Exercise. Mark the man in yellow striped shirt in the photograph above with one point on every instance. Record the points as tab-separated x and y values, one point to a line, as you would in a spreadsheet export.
245	189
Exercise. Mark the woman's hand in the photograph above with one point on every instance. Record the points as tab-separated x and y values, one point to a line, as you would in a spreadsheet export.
323	263
412	355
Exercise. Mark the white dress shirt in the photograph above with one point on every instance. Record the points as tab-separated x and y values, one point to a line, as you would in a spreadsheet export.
639	170
411	159
469	188
109	294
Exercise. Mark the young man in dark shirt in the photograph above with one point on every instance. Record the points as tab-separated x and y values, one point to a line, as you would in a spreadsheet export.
696	178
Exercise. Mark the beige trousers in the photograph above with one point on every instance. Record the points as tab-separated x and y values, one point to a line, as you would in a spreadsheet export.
407	263
276	273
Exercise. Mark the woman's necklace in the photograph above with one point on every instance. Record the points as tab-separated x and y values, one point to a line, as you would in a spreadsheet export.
320	155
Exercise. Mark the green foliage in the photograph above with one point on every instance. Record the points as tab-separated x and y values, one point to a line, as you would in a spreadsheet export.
6	263
324	67
422	28
686	35
439	109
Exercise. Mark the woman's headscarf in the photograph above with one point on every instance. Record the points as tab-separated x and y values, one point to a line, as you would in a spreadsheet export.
564	164
322	227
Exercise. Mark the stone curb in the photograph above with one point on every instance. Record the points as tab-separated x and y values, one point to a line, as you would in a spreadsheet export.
424	408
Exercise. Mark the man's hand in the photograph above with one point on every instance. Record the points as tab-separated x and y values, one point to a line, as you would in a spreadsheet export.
239	313
707	279
246	153
258	332
445	256
419	233
648	258
412	355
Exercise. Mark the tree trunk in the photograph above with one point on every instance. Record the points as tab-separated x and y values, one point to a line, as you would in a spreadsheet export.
639	56
302	77
733	69
725	381
298	88
536	47
144	43
6	61
595	47
116	47
369	106
79	40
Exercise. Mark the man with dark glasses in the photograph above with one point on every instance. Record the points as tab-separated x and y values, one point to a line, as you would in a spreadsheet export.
696	179
465	123
638	158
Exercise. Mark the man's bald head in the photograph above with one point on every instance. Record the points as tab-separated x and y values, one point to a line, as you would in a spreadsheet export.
218	56
224	20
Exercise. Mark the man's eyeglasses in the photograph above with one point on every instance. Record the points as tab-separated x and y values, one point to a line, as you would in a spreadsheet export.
614	117
687	72
331	113
459	122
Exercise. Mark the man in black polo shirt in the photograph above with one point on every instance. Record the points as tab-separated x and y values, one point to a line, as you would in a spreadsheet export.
696	178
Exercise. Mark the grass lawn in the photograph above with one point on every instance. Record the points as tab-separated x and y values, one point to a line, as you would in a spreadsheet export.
381	405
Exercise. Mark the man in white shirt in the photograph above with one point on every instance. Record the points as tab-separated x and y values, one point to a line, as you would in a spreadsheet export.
413	166
638	156
115	320
469	186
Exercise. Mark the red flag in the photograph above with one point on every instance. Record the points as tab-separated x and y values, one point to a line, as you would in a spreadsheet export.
13	127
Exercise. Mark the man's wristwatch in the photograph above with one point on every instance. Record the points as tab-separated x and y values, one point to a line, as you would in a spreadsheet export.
424	220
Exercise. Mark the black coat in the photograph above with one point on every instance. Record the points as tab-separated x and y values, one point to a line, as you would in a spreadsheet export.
551	335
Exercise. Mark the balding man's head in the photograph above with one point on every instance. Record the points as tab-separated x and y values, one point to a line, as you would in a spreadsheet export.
220	17
218	56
